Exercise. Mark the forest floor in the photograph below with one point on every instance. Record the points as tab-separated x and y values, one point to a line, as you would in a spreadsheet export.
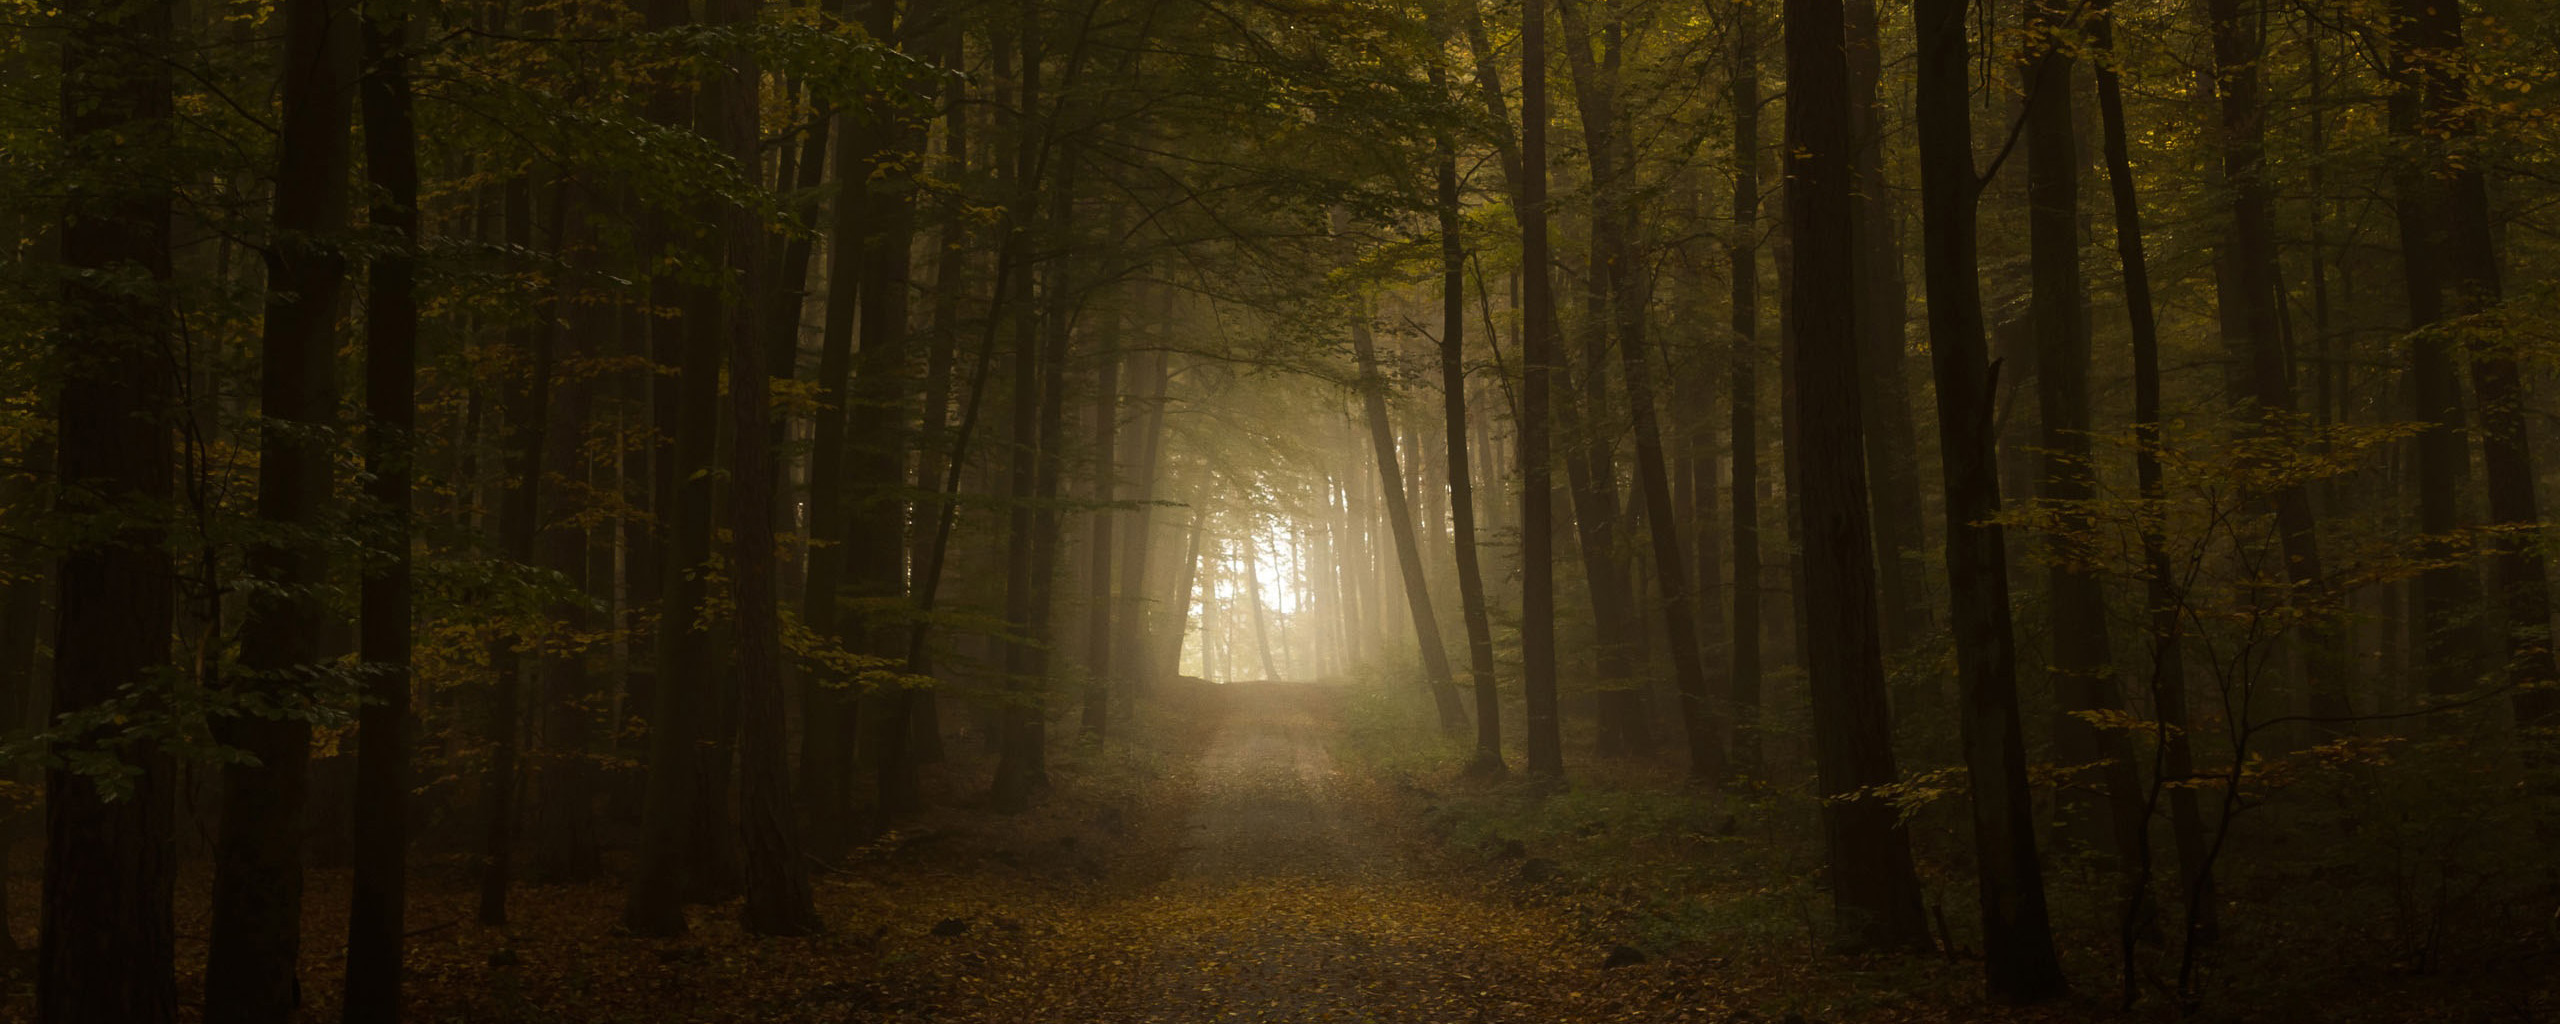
1248	862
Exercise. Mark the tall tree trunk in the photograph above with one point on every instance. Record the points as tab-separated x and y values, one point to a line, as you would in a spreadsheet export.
2083	663
1106	461
1537	368
1185	586
2173	751
256	939
1453	409
1742	255
1892	450
376	908
883	403
1253	602
1399	515
2246	288
564	832
525	402
776	874
1137	548
1612	226
826	701
2018	952
685	683
107	941
1875	894
1019	771
2448	593
2520	571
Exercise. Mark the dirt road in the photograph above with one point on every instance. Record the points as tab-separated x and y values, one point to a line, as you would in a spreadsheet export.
1288	900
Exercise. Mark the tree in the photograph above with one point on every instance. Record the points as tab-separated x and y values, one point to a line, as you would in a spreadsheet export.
376	909
2083	664
108	942
256	937
1875	894
1742	258
1399	514
1537	366
2018	952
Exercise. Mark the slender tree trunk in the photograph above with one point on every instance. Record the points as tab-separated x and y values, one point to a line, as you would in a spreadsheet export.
256	941
1134	639
1018	771
1875	894
376	908
1098	634
685	683
776	873
2448	593
107	942
565	847
1743	257
1616	261
1537	368
1453	408
2246	288
2173	750
826	702
2083	663
1892	449
1185	587
2019	957
525	402
2520	571
1399	515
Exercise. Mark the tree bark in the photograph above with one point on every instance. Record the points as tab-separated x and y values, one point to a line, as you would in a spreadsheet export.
2083	665
776	873
687	409
1875	894
1742	255
1399	515
1453	409
525	401
2173	750
255	947
1892	450
2246	287
2018	953
376	908
107	941
1098	608
1537	367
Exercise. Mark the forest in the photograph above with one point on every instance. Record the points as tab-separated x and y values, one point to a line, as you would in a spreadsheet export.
1278	510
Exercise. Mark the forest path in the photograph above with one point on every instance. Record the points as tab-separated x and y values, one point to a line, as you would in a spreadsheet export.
1288	899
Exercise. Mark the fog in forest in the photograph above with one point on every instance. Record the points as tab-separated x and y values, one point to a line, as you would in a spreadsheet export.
1531	511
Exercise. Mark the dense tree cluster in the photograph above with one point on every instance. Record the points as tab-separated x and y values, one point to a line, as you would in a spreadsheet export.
634	438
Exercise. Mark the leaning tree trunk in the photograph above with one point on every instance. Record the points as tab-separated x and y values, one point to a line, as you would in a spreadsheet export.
256	943
1417	593
1453	407
1875	893
2018	947
2173	752
1611	228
